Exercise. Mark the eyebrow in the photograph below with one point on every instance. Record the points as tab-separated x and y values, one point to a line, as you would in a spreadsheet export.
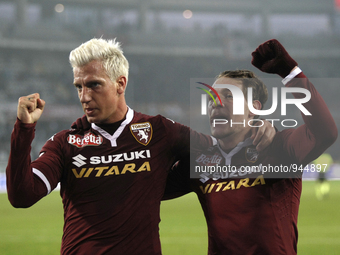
92	81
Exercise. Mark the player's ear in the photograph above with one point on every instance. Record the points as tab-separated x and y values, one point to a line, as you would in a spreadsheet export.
257	105
121	84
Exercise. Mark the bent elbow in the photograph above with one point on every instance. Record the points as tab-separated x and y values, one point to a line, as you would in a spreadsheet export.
19	205
331	136
328	138
19	201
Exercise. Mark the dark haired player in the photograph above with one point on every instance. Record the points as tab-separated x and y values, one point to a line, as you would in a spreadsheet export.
253	213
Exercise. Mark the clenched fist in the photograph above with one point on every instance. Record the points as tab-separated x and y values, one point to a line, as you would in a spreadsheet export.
272	57
30	108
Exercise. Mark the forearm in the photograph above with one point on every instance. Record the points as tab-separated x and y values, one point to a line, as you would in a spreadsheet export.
178	181
319	131
308	141
23	186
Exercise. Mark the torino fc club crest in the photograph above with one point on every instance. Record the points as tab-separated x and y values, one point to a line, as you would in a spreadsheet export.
251	154
142	132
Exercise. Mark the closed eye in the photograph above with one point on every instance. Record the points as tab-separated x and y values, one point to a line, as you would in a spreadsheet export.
227	95
211	99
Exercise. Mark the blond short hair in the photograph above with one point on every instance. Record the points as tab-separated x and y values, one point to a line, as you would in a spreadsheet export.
109	52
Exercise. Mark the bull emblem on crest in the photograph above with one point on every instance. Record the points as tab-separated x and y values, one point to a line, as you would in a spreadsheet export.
142	132
143	135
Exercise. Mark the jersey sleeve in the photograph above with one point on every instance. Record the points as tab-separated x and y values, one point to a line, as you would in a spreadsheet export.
318	132
26	181
184	140
50	162
178	181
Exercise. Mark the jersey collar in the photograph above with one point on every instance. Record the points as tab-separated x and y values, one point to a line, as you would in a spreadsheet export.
113	138
239	146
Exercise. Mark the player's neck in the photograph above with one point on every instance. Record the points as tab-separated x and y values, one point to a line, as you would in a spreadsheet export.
230	142
111	128
115	122
120	112
118	115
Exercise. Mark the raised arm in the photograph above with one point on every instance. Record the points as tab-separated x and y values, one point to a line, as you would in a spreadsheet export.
319	132
24	186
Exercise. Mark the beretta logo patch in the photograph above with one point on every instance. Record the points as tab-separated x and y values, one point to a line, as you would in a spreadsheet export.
142	132
89	139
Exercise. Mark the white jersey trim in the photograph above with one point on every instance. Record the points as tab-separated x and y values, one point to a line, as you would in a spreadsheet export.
290	76
113	138
214	140
44	179
228	156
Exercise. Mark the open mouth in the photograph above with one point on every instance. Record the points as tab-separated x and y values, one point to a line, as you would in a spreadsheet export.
89	111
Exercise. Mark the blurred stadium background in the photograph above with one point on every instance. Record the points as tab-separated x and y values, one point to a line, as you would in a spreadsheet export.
166	42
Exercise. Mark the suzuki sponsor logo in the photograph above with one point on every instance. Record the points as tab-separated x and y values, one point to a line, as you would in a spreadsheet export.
80	160
89	139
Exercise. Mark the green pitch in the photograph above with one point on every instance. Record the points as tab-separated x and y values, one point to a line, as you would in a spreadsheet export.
319	224
38	230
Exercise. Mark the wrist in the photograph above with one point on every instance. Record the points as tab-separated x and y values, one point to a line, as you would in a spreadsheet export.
286	66
295	71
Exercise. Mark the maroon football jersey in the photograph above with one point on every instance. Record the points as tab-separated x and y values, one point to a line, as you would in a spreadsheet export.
248	209
111	185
